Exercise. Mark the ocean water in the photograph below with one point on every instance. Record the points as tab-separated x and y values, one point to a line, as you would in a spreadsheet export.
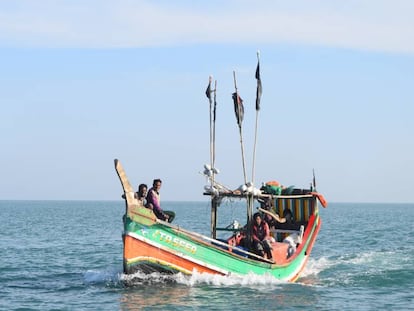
67	255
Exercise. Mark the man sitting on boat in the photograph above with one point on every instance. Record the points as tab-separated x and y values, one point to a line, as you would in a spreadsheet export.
261	237
154	202
141	195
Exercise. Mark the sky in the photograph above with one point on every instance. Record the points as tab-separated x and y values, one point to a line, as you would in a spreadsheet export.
83	82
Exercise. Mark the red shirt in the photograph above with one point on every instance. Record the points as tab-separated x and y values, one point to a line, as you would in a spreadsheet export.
261	232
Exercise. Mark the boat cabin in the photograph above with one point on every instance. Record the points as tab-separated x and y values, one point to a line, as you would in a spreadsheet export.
286	215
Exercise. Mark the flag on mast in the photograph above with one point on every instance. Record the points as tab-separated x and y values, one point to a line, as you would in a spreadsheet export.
238	108
208	90
259	86
215	102
314	180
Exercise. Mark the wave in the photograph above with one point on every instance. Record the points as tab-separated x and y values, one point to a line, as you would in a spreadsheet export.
117	278
105	277
372	267
250	279
362	268
316	266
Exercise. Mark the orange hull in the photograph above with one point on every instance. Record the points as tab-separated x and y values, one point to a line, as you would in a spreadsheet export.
142	253
308	250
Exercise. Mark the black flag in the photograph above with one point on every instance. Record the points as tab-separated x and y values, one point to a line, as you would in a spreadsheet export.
208	90
314	180
215	102
259	87
238	108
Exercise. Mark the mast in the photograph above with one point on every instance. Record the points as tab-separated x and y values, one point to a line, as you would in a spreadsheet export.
258	95
250	199
212	170
214	201
239	111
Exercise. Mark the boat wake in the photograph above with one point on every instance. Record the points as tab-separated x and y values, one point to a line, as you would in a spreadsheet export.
231	280
117	278
107	277
196	279
367	268
316	266
141	278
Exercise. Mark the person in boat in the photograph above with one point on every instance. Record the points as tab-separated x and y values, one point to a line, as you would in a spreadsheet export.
141	195
287	214
261	237
154	202
267	205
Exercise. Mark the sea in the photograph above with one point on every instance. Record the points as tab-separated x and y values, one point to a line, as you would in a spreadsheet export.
67	255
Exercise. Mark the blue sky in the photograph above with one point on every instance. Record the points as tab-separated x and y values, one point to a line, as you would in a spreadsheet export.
84	82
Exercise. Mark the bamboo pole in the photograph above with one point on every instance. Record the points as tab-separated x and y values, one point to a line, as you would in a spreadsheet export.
239	121
258	94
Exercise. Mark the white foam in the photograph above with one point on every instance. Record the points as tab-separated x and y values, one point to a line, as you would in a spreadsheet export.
316	266
200	278
313	268
230	280
147	278
94	276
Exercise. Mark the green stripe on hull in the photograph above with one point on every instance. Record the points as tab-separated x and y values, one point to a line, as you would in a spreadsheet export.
207	254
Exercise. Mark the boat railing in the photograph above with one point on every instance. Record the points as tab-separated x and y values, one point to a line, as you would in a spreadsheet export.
214	241
260	196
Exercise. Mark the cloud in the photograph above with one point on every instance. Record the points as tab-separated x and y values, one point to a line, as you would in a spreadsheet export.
379	25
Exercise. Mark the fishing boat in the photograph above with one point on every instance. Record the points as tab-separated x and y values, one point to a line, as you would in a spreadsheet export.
154	245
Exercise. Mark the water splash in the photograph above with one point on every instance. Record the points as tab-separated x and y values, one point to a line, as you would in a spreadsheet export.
140	278
315	266
105	277
310	277
230	280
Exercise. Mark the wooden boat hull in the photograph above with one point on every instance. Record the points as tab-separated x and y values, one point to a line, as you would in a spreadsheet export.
154	245
168	249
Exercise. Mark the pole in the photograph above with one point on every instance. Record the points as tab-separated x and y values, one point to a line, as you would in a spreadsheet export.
212	155
214	199
214	131
254	146
239	121
208	93
258	95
